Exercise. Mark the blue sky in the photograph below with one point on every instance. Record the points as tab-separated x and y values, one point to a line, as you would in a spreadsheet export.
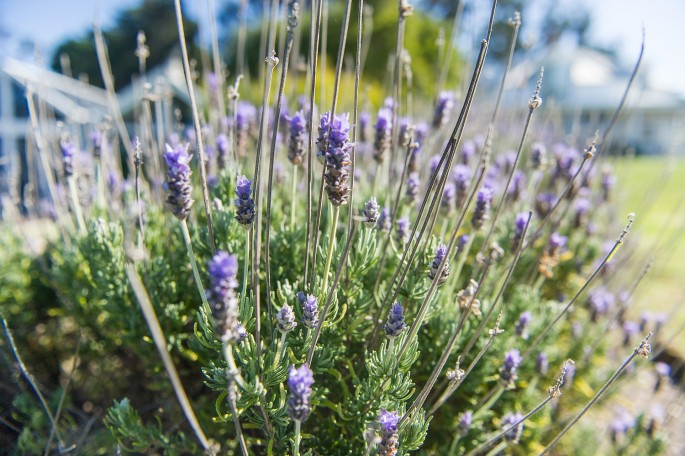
616	23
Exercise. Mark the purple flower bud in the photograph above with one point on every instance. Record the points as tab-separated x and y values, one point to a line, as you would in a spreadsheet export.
480	213
461	176
461	242
244	204
512	361
514	433
519	226
286	319
68	154
395	324
449	197
179	198
556	242
600	301
440	254
581	207
443	109
223	269
371	213
413	184
384	221
383	134
523	323
222	147
433	163
541	363
468	151
297	139
464	423
517	188
538	156
621	425
364	121
630	329
389	422
300	383
544	203
310	309
608	183
403	230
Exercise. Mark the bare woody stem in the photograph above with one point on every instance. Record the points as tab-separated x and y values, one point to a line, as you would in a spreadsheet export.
196	123
606	259
160	342
643	350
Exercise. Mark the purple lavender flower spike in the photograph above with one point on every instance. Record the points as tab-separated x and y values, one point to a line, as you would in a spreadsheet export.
223	269
286	319
179	198
433	163
522	324
334	148
449	197
403	230
480	213
538	156
370	213
310	309
222	147
300	383
443	109
68	154
389	440
608	183
461	176
383	134
517	190
623	423
244	204
581	208
464	423
556	243
440	254
542	364
384	221
395	324
544	203
519	226
468	150
420	132
461	242
98	138
512	360
630	329
413	184
364	121
514	434
297	138
663	371
600	301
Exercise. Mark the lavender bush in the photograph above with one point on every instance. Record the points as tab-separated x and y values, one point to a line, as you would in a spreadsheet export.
417	289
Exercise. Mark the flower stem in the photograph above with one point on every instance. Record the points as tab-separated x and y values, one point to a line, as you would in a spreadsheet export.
293	200
193	263
243	293
331	245
76	205
296	449
233	377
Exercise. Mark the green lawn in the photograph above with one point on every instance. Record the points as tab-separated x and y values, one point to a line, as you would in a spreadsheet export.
654	188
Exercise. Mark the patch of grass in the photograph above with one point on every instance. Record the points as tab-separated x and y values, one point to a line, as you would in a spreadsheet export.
654	188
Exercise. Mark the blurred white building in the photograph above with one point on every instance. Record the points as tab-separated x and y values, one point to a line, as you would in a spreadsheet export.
587	85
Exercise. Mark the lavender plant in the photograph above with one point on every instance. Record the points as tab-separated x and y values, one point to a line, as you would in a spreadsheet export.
377	322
